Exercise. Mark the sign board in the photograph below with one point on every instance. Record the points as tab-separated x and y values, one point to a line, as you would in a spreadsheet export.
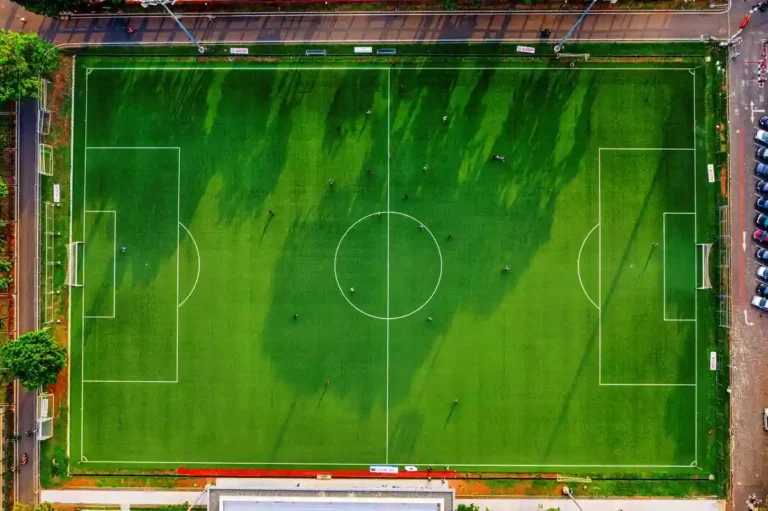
56	194
44	408
711	172
712	361
383	469
238	51
526	49
363	49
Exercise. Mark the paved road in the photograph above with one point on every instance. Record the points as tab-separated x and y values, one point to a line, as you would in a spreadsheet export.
750	379
391	27
27	285
749	351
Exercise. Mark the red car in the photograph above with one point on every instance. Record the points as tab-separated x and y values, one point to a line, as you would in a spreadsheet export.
760	235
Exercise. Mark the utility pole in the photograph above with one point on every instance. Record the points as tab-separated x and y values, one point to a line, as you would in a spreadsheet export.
164	3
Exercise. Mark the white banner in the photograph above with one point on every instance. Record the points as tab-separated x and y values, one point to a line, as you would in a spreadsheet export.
383	469
238	51
364	49
526	49
711	172
713	361
56	194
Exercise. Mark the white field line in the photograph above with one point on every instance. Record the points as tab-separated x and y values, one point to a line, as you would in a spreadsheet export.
600	279
389	155
71	209
114	264
599	226
82	307
695	294
84	316
664	269
578	266
416	463
199	263
383	68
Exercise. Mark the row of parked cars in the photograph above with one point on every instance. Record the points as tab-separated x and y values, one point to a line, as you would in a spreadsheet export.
760	300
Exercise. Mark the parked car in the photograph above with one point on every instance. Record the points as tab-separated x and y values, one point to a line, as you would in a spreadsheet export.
761	203
763	122
762	289
762	153
760	235
762	271
761	169
760	302
765	419
761	220
762	186
762	254
762	136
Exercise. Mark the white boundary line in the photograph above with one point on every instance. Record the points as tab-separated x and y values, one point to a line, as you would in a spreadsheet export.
600	279
199	265
599	226
383	68
389	157
313	464
69	295
696	294
83	380
114	264
664	270
578	265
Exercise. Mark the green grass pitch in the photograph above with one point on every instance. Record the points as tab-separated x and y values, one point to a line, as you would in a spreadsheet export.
587	355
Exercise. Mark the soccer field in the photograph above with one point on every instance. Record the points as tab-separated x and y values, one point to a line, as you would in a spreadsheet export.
325	266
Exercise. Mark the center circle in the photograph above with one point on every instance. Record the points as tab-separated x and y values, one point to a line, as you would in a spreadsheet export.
388	265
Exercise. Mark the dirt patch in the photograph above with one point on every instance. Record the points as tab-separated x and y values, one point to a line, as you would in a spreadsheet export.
138	482
724	182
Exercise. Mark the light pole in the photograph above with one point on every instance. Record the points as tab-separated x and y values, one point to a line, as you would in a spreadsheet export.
164	3
567	492
559	46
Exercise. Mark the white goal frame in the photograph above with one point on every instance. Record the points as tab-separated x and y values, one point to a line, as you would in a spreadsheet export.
45	160
74	279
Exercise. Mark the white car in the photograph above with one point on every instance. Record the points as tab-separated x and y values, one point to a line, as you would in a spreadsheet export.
762	272
762	136
760	302
765	419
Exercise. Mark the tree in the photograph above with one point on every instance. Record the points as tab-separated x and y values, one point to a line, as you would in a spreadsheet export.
50	7
24	58
34	358
3	189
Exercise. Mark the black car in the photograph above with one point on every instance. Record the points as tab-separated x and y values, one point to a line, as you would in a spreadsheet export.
762	153
763	122
762	254
762	186
762	289
761	203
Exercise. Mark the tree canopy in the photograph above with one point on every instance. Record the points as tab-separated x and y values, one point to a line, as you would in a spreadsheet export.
24	57
34	358
50	7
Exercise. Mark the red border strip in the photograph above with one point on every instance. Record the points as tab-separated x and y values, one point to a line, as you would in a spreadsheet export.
313	473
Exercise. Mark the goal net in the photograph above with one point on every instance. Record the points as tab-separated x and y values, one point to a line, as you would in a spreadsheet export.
74	255
44	416
45	160
703	281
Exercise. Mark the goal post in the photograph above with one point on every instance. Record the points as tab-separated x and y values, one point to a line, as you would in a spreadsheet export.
74	265
45	160
702	280
45	413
